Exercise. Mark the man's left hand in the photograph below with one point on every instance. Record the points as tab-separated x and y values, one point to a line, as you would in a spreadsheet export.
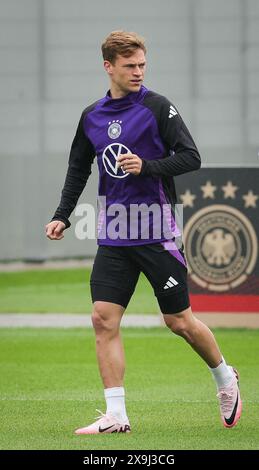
130	163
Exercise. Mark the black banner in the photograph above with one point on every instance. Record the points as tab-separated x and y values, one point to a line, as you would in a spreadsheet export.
127	458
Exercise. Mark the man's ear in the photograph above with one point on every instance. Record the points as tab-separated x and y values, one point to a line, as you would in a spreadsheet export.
108	66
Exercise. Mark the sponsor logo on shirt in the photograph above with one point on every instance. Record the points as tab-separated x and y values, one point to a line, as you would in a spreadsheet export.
110	156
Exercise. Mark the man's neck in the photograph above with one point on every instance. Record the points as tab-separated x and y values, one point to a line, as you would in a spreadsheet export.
117	93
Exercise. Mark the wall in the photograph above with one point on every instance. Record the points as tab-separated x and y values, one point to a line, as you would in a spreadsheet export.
202	54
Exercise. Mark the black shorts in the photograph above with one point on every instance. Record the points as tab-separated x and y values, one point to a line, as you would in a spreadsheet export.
116	271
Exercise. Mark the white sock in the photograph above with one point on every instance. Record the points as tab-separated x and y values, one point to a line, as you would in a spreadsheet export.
115	402
223	374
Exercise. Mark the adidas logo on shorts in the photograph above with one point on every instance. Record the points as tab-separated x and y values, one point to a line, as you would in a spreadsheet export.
171	283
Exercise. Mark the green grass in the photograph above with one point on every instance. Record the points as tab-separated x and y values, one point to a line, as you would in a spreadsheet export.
61	291
50	385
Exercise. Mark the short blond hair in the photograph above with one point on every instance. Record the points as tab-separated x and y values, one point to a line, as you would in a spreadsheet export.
123	43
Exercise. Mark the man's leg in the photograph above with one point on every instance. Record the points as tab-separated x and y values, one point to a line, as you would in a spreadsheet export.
202	340
197	334
165	268
106	320
113	281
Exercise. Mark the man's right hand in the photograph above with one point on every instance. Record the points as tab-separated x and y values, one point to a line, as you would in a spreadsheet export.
54	230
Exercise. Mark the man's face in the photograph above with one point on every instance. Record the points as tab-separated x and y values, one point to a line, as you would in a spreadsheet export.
127	73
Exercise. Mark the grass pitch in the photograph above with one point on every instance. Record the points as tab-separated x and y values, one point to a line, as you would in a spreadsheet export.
61	291
50	385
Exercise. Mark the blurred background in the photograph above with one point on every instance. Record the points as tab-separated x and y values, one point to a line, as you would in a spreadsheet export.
202	54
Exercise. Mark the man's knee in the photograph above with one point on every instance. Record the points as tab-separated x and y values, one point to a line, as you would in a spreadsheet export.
180	324
178	327
103	319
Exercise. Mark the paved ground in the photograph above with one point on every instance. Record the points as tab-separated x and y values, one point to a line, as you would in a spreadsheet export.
54	264
59	320
69	321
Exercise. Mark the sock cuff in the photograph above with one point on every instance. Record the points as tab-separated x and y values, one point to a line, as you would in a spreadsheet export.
114	392
222	362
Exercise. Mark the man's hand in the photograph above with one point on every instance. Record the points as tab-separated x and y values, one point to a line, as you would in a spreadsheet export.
54	230
130	163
